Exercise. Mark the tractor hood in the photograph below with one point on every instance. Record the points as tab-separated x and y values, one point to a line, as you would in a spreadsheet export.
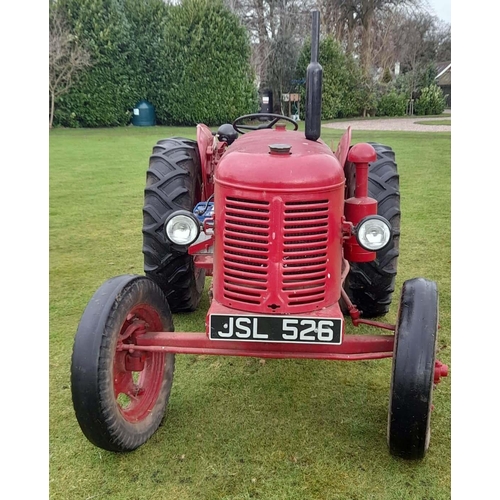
279	160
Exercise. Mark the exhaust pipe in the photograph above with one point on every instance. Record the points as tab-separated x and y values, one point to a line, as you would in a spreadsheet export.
314	82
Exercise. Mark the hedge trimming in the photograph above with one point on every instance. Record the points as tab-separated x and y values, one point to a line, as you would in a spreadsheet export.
191	61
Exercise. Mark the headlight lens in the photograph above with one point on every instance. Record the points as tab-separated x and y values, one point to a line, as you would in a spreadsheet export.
374	233
182	228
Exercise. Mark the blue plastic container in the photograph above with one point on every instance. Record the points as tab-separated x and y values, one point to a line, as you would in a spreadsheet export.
144	114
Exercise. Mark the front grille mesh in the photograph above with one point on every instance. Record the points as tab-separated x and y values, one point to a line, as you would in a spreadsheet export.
291	267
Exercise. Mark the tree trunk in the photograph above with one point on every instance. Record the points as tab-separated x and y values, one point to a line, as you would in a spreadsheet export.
52	107
366	42
351	26
261	28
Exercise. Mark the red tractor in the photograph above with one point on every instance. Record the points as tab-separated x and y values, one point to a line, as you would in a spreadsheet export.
295	236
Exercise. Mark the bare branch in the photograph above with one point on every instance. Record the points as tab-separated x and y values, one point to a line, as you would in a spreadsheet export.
67	58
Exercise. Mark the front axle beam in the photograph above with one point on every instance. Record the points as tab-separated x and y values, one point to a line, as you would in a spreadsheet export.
353	347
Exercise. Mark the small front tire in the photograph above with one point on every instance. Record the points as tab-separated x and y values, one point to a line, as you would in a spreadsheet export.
119	401
413	366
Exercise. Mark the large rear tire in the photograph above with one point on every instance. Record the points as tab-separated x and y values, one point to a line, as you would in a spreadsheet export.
120	397
413	366
173	182
370	285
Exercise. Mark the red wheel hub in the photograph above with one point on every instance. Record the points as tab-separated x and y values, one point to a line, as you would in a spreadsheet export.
137	376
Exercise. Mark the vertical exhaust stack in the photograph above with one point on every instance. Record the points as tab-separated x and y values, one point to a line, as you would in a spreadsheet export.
314	83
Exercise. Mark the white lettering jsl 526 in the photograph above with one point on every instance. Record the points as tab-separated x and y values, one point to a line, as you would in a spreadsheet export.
305	330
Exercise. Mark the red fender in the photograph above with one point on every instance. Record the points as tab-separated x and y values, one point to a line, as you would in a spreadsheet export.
205	141
343	147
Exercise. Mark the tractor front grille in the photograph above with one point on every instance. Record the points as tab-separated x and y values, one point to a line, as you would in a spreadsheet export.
275	253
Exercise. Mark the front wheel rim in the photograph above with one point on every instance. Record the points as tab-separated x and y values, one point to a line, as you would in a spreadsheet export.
136	392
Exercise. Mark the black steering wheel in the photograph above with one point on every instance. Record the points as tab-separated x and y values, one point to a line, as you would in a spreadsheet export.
257	116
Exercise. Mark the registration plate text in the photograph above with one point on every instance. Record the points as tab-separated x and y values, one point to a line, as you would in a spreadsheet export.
276	329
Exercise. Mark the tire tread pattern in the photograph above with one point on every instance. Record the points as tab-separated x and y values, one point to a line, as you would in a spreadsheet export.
173	182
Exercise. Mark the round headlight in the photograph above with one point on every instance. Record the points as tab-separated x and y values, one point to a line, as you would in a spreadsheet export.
182	228
373	233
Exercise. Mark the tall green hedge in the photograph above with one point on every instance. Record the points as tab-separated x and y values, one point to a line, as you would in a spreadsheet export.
209	56
191	61
103	93
343	91
148	20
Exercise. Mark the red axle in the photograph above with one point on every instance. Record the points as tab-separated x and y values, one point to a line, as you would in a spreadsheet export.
353	348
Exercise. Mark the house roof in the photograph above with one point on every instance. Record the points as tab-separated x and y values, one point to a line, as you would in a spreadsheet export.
443	76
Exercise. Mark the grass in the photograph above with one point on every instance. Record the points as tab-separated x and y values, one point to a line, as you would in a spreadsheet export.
237	428
434	122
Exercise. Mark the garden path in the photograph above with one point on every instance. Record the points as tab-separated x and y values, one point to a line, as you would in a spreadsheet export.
401	124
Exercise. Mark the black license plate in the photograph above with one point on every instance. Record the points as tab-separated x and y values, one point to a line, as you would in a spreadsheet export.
276	329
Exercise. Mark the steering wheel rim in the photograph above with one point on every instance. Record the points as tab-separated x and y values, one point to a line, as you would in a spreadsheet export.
274	120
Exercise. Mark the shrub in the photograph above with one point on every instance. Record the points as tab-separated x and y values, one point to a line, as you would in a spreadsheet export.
343	92
209	60
387	76
191	61
391	104
105	93
431	101
413	81
148	20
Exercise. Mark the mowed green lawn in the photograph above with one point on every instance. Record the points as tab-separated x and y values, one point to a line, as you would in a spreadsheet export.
238	428
434	122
